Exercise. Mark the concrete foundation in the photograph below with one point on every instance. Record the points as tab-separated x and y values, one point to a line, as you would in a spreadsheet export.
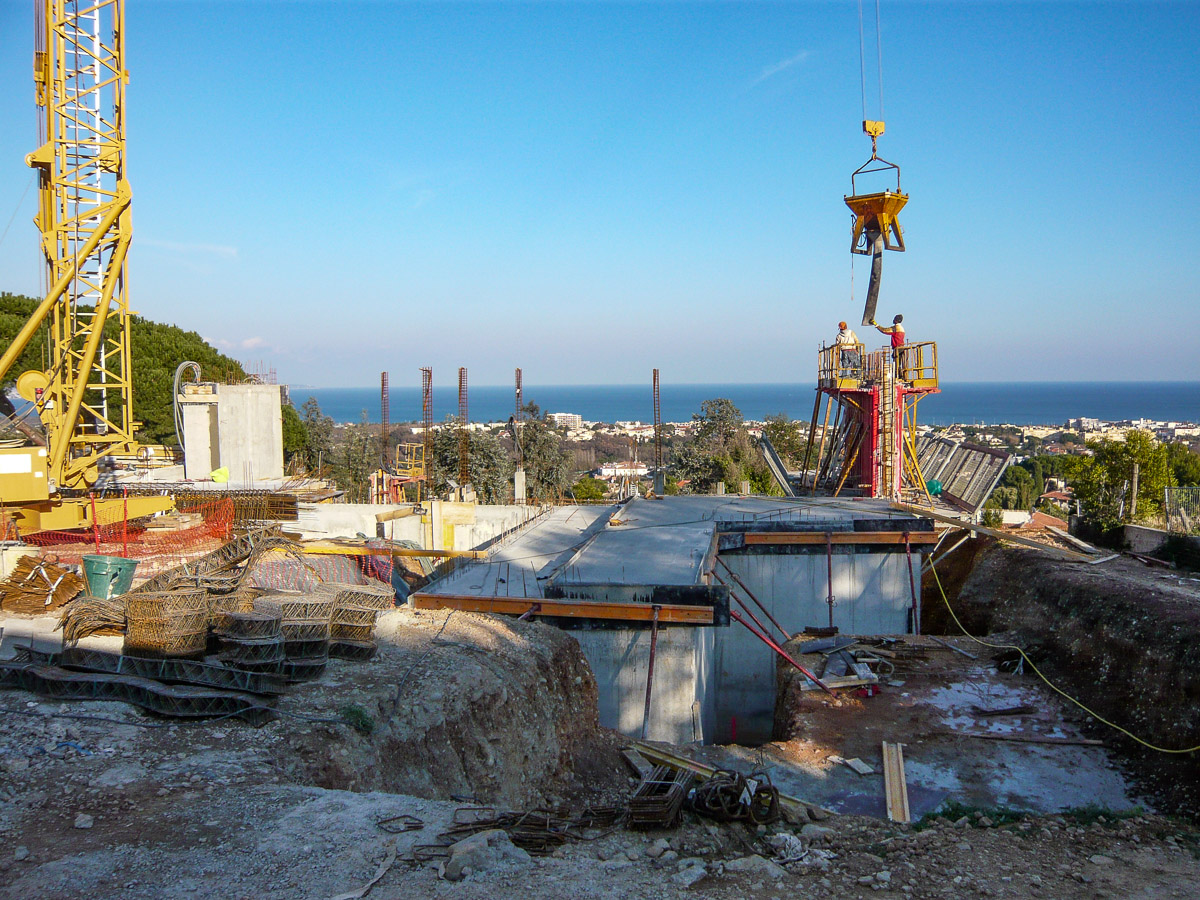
681	699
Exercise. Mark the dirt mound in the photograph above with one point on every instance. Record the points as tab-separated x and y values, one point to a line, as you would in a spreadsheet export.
464	705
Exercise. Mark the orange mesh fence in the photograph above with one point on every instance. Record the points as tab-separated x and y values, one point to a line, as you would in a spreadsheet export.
158	545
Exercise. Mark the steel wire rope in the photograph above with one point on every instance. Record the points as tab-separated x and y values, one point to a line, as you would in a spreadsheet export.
17	208
1029	662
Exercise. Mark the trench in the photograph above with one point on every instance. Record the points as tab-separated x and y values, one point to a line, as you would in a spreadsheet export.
1121	638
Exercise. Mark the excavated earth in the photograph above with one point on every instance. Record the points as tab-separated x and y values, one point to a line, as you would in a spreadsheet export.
1121	637
99	801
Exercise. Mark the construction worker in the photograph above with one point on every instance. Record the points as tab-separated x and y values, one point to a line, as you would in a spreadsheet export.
896	330
850	357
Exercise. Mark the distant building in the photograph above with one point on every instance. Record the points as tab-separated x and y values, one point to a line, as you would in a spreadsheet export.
623	470
569	420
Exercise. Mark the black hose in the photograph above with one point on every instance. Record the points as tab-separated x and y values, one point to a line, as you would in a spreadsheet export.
875	239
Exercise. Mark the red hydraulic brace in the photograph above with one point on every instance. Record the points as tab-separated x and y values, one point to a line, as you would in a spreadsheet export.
742	604
733	614
650	672
750	594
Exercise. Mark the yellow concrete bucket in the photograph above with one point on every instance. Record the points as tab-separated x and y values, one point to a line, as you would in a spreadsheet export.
877	211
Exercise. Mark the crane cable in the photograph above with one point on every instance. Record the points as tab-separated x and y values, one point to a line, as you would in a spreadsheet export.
1029	662
862	57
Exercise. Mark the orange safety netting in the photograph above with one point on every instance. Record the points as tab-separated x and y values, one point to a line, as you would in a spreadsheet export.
156	549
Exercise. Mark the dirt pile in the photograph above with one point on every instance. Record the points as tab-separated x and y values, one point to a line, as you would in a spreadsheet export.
465	705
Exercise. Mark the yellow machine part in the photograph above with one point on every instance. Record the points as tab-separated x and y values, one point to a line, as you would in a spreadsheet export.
880	212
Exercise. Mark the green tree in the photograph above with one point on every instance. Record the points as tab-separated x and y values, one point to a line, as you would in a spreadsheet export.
355	458
1102	482
722	450
295	435
318	430
547	464
1185	464
489	465
155	350
788	438
588	488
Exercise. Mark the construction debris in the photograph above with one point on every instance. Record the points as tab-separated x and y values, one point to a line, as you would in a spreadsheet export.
658	801
37	587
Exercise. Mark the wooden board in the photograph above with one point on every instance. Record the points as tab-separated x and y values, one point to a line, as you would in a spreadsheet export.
894	786
571	609
839	537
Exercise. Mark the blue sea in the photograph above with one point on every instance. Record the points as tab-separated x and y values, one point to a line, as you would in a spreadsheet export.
1024	403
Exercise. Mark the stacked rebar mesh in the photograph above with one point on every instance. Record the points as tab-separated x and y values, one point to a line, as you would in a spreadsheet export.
355	609
174	624
252	639
305	621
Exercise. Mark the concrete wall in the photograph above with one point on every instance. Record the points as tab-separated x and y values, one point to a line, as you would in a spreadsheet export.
442	525
200	439
872	596
250	429
620	657
1144	540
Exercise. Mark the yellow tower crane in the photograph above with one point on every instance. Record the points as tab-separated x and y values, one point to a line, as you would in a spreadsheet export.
84	397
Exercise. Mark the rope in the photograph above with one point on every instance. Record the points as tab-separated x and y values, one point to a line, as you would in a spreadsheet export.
1029	662
16	210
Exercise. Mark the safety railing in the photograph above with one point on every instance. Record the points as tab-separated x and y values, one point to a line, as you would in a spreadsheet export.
840	366
410	460
917	364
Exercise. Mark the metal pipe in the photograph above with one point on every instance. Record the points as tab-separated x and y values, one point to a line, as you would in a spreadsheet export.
757	602
650	672
912	584
829	570
733	614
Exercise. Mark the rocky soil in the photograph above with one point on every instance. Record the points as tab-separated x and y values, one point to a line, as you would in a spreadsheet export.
98	801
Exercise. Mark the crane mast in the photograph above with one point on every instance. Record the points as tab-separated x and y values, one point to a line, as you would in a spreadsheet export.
84	397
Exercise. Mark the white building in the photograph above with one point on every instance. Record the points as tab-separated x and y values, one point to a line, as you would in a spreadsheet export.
623	470
570	420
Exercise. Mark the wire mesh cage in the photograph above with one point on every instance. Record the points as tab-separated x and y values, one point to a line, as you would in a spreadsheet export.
305	631
354	615
373	594
253	624
355	650
351	632
306	649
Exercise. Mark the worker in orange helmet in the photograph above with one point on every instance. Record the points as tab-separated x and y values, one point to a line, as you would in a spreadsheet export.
850	356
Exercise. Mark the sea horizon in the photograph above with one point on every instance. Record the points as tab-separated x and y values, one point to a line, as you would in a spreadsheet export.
1045	403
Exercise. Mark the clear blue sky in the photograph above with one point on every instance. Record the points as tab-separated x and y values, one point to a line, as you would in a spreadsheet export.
590	190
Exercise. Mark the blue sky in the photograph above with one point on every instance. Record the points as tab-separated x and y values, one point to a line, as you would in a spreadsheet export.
591	190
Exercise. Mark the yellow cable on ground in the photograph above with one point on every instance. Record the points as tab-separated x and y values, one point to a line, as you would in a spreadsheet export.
1051	684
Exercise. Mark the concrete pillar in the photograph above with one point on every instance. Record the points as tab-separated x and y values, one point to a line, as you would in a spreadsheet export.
660	483
720	488
745	487
519	485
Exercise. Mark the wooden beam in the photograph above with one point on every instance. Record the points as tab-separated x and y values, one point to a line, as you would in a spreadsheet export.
572	609
840	537
894	785
337	548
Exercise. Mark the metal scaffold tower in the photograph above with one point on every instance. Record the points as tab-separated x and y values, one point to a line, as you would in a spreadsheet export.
866	444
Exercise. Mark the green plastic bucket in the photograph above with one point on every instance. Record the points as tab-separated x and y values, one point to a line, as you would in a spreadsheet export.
108	576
